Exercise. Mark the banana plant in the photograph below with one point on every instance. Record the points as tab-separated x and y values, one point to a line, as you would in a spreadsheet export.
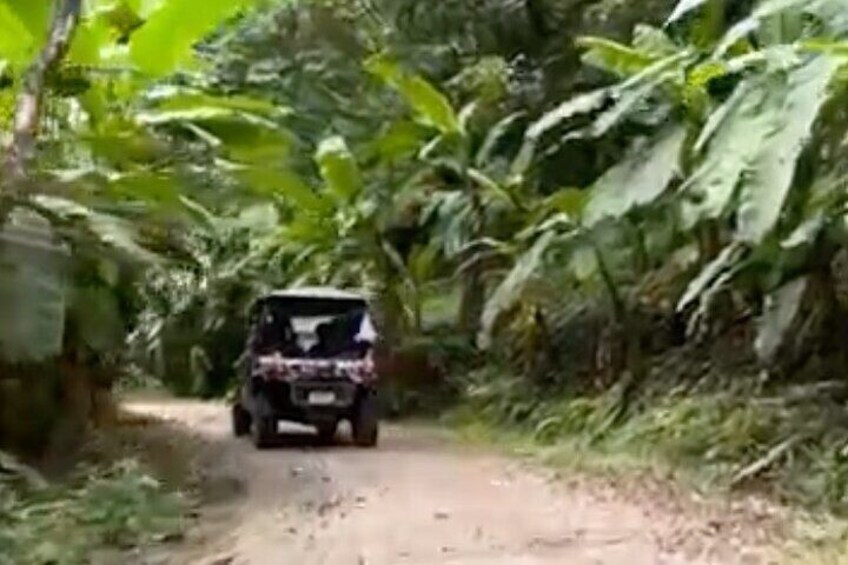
739	139
467	180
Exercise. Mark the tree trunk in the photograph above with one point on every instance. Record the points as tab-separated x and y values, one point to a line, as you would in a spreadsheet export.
473	303
29	105
473	286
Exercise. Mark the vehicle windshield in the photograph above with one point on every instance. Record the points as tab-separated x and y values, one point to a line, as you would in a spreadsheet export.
312	328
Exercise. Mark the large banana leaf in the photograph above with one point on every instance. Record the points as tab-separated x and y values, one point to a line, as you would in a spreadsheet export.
639	179
771	173
732	138
33	279
511	288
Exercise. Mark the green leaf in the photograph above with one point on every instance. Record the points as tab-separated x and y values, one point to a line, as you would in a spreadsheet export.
241	135
779	312
638	180
653	41
772	172
338	168
614	57
17	36
286	185
571	201
166	39
178	98
33	281
34	16
399	141
431	106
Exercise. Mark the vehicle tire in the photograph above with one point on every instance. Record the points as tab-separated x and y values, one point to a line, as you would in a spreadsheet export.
264	428
327	432
241	420
366	421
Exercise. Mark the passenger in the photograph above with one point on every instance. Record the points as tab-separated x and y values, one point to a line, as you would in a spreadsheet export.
321	349
289	346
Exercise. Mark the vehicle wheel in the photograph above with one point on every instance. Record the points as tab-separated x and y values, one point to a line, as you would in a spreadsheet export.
366	421
264	428
241	421
327	432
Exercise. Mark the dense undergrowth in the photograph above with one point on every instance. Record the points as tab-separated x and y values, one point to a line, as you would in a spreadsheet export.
120	507
127	489
715	431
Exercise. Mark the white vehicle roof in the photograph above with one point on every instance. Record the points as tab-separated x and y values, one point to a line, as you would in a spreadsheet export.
320	292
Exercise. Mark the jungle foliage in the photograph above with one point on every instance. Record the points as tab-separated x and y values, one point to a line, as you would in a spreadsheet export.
594	183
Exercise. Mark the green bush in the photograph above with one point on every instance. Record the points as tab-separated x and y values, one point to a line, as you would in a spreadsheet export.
119	507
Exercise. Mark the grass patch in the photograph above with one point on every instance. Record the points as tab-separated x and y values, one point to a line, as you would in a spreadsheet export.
121	506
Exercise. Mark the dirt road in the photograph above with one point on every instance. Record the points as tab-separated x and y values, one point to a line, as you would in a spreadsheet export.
421	499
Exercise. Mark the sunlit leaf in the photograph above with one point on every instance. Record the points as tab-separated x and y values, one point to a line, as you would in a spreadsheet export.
18	37
430	106
171	31
614	57
338	168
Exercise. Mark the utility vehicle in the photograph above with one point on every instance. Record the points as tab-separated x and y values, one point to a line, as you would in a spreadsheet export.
309	360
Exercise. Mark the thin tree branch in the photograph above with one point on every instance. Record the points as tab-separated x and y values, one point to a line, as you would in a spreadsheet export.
28	109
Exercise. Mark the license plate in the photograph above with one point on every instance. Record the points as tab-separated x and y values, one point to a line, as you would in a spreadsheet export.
322	398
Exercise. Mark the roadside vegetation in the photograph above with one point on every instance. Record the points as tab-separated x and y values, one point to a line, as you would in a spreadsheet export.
618	228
